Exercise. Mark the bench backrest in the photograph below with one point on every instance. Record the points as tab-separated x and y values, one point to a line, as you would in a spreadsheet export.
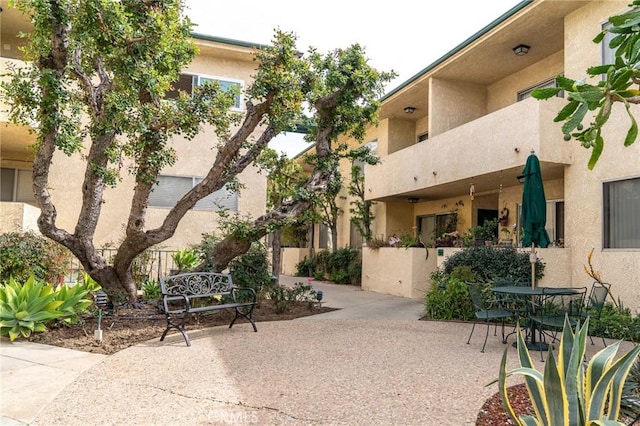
197	283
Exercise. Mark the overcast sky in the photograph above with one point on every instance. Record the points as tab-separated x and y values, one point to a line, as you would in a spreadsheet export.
403	36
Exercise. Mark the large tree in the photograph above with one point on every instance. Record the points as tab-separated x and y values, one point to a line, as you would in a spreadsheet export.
100	72
618	82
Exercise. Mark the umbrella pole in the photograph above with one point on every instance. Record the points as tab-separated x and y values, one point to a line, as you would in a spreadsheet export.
532	259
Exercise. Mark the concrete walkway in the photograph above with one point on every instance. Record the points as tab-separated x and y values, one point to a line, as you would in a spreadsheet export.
372	362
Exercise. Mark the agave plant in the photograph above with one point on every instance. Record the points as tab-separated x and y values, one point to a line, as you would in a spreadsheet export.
185	260
24	309
74	301
570	392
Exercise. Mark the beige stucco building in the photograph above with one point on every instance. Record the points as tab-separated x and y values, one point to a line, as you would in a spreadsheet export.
454	138
229	61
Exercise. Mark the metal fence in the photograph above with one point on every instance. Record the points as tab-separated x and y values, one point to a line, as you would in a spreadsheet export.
150	265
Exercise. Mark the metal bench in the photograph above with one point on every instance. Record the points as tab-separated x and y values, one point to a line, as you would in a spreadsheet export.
195	292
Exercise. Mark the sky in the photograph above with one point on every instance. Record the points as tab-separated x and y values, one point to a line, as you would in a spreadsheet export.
404	37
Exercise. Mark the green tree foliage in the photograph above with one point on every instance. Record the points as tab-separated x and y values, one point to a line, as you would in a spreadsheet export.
285	178
99	72
361	213
618	82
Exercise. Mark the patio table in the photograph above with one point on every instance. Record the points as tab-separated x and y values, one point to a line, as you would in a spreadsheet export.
532	293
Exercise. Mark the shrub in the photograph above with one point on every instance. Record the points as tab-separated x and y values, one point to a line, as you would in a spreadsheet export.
252	269
283	297
448	299
616	323
304	268
491	264
204	249
26	254
344	266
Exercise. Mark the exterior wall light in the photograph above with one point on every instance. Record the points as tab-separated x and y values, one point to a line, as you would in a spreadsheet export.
521	49
409	110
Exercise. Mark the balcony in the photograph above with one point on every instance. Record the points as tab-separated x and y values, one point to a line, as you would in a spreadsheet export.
481	151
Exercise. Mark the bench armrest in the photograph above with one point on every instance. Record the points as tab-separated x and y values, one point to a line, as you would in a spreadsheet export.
167	298
235	291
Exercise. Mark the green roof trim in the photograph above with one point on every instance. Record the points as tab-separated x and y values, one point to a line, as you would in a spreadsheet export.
461	46
228	41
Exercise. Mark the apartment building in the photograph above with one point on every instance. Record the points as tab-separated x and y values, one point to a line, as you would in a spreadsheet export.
453	139
229	61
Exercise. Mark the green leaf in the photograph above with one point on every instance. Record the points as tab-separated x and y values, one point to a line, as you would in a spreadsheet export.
565	83
575	119
596	151
545	93
598	69
632	133
566	111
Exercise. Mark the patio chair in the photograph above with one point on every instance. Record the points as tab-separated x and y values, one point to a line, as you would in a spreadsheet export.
595	302
487	309
552	307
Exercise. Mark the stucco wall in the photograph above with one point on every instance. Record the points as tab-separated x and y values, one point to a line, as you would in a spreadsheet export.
445	98
503	93
398	271
290	257
584	187
18	217
402	133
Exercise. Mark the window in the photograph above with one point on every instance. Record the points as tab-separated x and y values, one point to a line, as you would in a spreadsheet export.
434	226
16	185
555	221
170	189
355	239
324	237
526	93
621	209
554	224
186	83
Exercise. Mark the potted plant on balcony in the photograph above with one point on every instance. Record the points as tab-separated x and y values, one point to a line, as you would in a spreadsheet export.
487	233
506	240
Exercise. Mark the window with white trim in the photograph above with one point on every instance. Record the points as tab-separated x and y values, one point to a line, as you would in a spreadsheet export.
169	189
16	185
621	210
186	83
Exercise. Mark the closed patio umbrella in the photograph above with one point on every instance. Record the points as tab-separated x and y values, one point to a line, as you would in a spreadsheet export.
534	211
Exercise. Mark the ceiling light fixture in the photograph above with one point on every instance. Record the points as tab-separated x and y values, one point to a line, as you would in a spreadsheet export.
409	110
521	49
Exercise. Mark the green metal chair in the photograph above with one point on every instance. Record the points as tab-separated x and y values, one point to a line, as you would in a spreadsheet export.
595	302
552	308
487	310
